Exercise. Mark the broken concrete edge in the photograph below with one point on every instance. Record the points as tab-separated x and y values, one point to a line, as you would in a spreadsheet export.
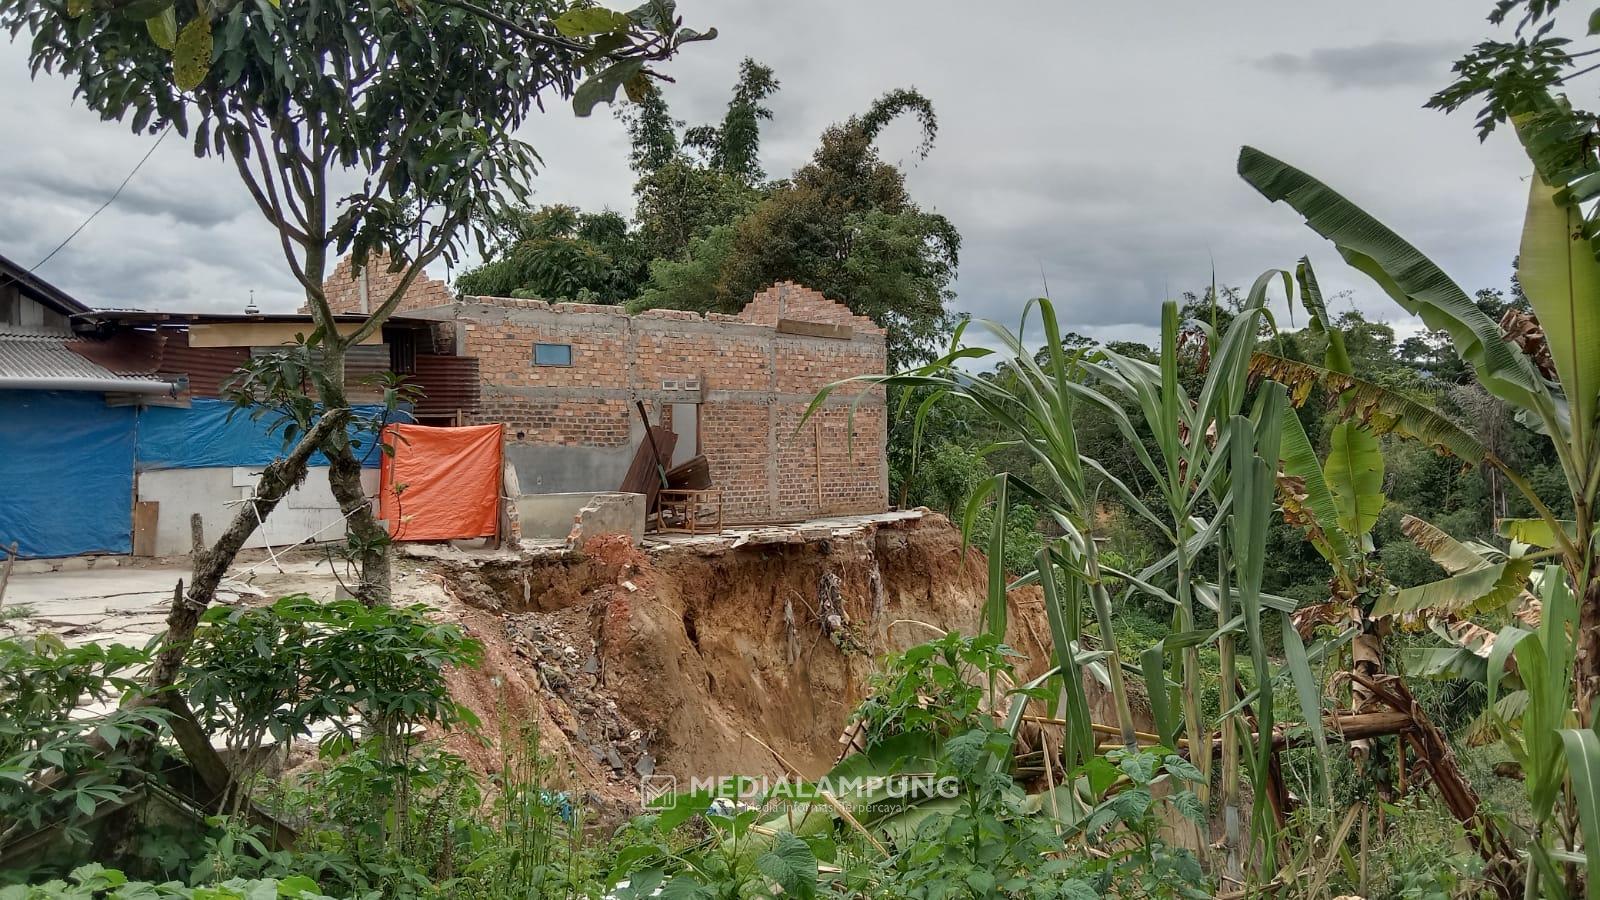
811	531
591	521
68	564
560	516
608	513
657	545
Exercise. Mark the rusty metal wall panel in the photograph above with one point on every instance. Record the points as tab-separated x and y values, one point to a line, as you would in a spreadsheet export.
361	366
207	367
449	384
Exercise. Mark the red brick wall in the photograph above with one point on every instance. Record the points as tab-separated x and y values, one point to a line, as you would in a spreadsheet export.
343	288
787	300
734	437
753	385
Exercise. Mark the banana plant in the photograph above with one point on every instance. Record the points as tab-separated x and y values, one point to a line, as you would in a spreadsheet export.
1550	373
1561	277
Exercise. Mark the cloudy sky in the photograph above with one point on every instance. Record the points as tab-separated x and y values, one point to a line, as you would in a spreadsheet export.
1094	142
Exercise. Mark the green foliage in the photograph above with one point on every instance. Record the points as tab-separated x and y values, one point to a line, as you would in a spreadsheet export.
95	882
275	671
686	283
290	386
374	820
1024	535
49	735
1510	77
934	689
941	477
559	253
734	861
995	842
844	224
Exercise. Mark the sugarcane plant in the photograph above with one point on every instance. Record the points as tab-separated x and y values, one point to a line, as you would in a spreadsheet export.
1209	507
1193	473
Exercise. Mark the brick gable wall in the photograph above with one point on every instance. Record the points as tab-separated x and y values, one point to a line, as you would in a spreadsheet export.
343	288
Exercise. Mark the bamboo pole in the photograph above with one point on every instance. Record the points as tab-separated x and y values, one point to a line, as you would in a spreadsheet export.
1341	728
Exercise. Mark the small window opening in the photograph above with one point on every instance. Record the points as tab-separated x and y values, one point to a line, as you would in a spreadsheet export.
552	354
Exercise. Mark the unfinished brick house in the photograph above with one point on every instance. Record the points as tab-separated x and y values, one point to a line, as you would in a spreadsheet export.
563	379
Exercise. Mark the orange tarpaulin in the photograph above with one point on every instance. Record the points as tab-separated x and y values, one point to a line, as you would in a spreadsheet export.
441	483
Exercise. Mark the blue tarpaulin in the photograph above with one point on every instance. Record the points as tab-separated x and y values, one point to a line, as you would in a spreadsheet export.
203	436
67	462
66	473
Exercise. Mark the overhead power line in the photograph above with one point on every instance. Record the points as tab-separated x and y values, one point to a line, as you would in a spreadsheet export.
109	200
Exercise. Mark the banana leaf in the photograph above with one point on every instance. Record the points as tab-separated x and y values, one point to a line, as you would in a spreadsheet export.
1451	555
1404	273
1484	589
1559	275
1354	473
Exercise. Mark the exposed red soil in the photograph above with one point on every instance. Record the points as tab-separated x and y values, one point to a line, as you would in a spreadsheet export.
672	660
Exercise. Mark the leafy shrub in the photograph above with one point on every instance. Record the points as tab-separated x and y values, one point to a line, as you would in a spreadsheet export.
374	822
93	882
999	841
42	683
936	688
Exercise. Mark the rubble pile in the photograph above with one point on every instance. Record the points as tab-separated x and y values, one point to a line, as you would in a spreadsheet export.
565	661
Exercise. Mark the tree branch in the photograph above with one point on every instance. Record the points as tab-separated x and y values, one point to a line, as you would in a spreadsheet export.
384	310
516	28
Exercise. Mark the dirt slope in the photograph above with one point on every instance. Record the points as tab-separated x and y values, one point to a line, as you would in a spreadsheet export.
631	663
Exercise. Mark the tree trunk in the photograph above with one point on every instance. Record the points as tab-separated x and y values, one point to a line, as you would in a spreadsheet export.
368	541
277	480
1587	677
1366	661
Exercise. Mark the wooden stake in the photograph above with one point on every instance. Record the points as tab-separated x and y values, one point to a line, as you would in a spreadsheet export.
5	577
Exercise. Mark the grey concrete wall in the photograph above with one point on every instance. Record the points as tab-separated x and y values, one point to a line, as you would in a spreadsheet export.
611	513
550	469
554	516
306	511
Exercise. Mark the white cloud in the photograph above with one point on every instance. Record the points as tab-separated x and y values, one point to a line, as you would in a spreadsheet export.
1094	141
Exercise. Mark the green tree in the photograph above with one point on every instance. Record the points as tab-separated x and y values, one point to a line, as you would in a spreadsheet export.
691	181
360	125
843	224
559	253
353	125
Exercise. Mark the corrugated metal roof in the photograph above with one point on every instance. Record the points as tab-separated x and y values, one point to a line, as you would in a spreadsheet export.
35	355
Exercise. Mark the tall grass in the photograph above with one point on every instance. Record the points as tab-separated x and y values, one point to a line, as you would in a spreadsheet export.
1214	461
